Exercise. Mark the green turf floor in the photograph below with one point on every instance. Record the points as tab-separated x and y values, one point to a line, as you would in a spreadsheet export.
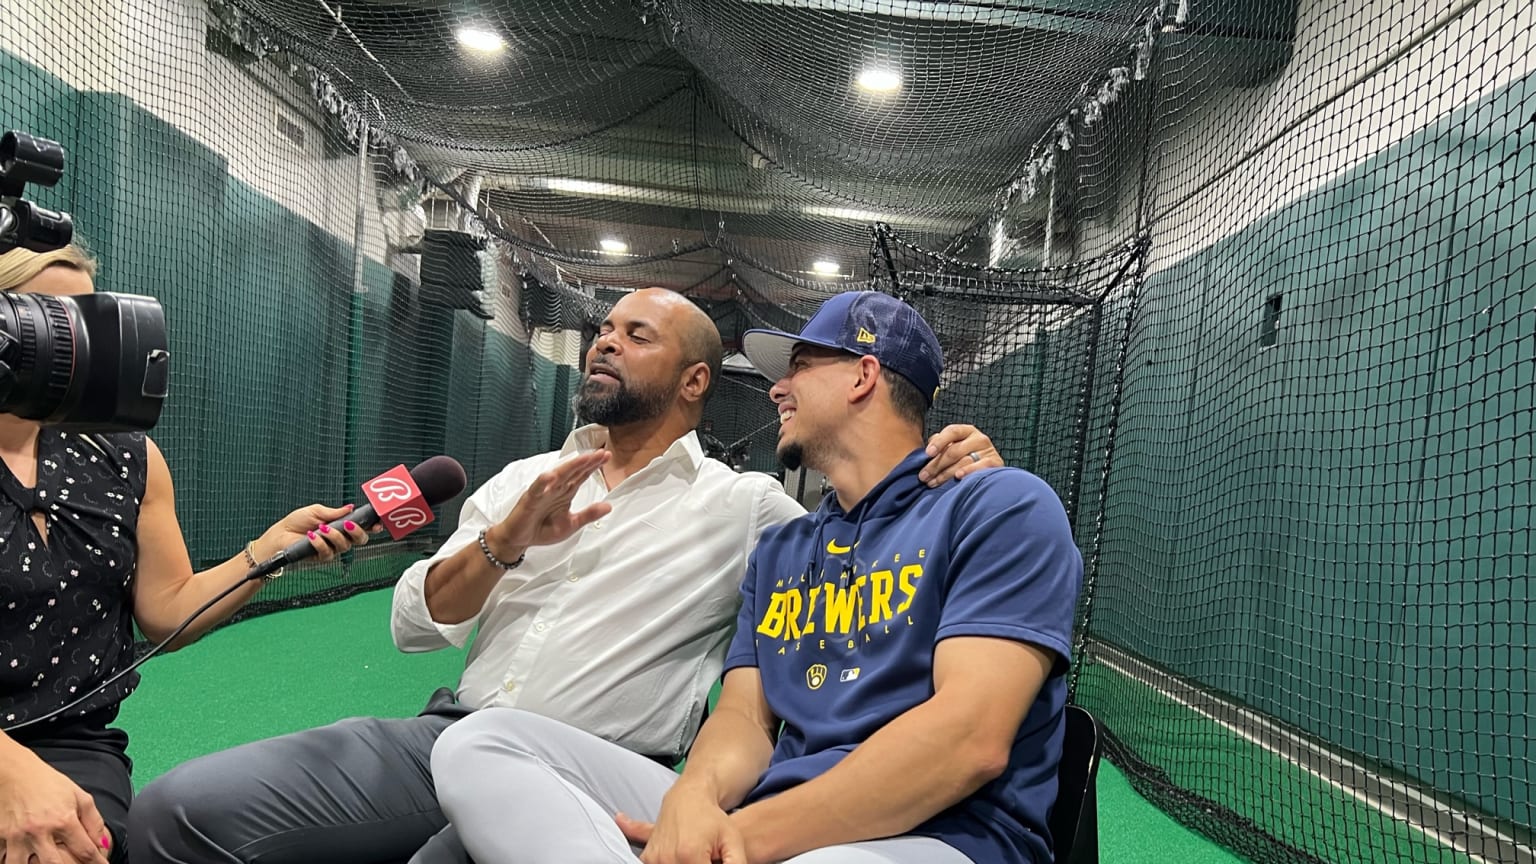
1213	762
306	667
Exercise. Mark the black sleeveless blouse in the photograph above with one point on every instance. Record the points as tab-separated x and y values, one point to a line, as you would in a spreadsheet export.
66	605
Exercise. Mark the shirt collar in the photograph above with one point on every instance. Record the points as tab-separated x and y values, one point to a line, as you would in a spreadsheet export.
903	478
686	450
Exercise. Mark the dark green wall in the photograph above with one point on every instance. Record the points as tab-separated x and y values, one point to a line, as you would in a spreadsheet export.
1336	529
286	386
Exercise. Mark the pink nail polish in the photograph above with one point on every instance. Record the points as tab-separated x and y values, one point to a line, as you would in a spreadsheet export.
325	529
350	525
311	535
106	843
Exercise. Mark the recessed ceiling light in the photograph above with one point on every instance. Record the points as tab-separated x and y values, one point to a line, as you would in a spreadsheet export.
611	245
878	79
481	39
825	268
848	213
588	187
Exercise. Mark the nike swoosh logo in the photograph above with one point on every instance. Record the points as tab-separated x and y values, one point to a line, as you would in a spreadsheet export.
835	549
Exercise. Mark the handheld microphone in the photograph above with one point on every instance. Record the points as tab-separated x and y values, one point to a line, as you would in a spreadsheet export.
403	501
407	497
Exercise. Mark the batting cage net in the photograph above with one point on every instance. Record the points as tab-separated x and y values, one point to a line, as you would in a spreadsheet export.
1249	282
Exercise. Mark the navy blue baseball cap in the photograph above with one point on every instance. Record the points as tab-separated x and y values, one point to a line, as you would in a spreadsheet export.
859	322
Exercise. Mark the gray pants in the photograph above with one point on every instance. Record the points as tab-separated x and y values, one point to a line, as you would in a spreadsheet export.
523	789
357	791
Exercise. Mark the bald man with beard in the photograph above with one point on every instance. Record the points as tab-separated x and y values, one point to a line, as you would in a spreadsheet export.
603	580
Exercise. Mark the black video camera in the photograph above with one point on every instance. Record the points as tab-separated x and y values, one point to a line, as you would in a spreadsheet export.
88	363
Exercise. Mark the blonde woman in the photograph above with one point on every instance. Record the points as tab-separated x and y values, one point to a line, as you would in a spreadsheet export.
90	546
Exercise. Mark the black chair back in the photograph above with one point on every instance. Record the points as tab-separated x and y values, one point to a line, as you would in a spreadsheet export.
1075	818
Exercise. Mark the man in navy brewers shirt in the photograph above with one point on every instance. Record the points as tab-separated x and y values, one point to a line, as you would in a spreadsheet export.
895	690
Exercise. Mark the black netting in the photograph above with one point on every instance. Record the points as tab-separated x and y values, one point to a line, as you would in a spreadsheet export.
1309	619
1250	282
1020	349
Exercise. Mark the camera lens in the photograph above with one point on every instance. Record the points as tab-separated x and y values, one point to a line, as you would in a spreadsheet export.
46	347
90	363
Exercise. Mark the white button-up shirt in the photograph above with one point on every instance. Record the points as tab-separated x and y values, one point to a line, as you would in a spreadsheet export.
621	630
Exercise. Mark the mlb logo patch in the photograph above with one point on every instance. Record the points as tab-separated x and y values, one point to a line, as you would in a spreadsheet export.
849	674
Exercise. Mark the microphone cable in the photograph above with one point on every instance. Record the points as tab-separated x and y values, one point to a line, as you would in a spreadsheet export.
136	663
